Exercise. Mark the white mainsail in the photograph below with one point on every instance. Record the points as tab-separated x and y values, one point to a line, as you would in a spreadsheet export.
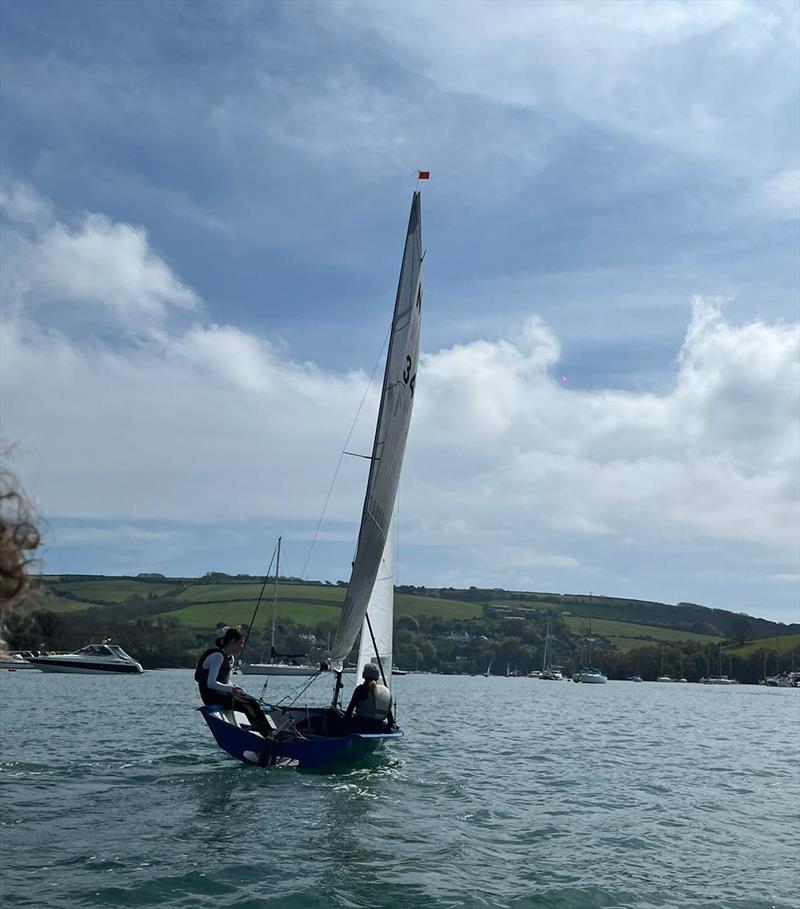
394	416
376	629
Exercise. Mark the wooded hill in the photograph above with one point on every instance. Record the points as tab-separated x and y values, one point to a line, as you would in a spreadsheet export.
165	621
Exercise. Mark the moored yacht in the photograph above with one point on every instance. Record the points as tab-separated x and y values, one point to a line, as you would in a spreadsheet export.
590	675
93	658
276	669
549	672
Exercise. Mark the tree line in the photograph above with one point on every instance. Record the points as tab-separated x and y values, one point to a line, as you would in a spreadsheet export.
513	643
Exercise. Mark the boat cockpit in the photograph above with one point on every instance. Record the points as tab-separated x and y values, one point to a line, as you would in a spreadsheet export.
105	650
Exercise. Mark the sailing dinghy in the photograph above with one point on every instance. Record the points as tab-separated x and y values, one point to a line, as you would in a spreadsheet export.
314	737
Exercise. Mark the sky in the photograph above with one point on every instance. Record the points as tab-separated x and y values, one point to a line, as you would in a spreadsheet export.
203	212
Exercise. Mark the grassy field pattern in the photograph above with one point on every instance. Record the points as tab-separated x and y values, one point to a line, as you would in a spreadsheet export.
628	636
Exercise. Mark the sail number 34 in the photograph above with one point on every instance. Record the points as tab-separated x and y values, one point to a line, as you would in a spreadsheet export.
408	379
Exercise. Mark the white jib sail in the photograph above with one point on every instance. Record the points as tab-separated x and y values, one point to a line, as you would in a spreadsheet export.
394	416
380	613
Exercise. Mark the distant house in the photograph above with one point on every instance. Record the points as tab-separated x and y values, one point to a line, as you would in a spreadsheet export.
458	636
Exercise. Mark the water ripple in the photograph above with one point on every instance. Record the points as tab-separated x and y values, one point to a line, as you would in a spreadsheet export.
539	795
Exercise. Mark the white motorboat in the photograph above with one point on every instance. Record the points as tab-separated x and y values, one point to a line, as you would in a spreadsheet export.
19	660
93	658
718	680
590	675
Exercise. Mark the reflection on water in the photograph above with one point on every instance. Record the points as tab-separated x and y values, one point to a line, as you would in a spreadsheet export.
505	792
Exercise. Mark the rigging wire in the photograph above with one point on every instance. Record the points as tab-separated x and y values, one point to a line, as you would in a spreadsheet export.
302	691
342	454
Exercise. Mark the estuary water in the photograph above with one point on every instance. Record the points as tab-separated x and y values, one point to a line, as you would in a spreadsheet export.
504	793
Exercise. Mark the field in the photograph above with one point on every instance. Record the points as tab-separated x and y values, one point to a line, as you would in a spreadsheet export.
205	603
782	644
628	636
110	590
306	604
235	612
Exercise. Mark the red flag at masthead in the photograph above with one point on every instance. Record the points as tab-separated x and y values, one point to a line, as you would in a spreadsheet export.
424	175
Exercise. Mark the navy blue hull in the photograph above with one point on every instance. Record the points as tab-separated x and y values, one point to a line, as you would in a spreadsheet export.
310	752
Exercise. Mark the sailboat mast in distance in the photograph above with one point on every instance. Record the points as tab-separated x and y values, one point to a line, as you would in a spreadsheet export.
275	599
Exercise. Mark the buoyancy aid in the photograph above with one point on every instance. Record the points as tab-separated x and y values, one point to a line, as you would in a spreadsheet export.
201	673
376	705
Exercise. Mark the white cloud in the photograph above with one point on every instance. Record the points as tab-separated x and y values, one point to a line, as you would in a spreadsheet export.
23	205
119	534
689	76
780	193
716	457
96	263
213	424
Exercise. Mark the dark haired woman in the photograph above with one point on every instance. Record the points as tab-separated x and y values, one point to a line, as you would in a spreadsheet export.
212	674
371	702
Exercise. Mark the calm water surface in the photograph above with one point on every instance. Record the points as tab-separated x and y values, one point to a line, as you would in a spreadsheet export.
539	794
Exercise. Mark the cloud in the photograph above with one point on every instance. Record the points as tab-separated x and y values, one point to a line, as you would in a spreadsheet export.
716	457
718	67
96	263
508	466
780	193
125	534
21	204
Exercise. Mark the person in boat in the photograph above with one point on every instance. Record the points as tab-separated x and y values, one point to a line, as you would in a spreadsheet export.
371	703
212	676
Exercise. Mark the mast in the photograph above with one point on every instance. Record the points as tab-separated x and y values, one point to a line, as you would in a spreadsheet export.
546	645
391	431
275	601
589	642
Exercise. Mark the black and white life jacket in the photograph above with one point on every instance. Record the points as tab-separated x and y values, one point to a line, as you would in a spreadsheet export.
376	705
201	673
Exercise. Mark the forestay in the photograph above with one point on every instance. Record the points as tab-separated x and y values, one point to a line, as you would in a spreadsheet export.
394	416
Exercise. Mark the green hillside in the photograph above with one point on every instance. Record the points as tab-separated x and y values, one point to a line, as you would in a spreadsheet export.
112	589
626	636
205	602
780	644
168	621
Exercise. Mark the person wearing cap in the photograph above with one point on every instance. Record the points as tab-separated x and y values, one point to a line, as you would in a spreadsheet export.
371	703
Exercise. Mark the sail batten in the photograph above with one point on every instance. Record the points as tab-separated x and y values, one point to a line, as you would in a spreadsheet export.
389	444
